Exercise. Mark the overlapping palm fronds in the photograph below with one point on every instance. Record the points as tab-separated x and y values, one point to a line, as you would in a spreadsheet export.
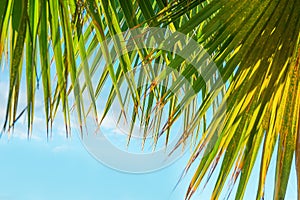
254	44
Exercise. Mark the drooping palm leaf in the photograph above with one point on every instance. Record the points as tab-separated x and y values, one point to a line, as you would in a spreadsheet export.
254	46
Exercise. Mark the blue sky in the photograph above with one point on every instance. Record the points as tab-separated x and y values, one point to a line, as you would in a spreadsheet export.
64	170
61	168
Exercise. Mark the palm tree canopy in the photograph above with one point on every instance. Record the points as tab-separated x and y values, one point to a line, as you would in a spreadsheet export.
255	46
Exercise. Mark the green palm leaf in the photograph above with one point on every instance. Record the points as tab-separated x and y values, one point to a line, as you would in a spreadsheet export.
255	46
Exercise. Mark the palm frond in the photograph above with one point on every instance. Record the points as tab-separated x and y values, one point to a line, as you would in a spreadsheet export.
254	45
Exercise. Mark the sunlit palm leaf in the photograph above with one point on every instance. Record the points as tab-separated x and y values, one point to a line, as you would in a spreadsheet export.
254	44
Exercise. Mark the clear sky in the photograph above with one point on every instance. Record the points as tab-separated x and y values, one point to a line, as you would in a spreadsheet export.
61	168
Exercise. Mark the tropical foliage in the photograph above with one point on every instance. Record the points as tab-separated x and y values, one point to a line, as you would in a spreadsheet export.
254	44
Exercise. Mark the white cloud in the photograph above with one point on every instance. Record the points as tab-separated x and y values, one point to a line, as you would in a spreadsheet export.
61	148
22	134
